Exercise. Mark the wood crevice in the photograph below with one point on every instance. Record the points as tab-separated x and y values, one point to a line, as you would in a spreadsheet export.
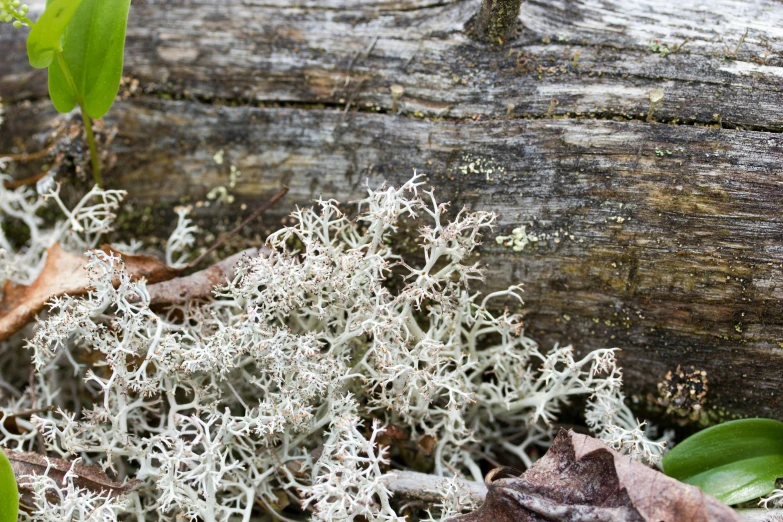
341	107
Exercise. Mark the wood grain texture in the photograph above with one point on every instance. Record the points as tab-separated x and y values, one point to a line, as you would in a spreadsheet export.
597	60
664	239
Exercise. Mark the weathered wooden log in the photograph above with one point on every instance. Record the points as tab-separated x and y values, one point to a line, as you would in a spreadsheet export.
662	237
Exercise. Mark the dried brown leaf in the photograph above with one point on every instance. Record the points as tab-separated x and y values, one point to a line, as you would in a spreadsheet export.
64	273
427	444
89	477
580	479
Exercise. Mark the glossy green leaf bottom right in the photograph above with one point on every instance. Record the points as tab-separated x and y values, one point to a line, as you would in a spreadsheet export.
9	493
734	462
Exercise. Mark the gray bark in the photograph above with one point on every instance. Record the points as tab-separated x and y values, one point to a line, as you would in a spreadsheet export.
661	237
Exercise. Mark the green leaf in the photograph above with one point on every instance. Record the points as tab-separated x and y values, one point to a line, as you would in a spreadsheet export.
9	494
93	48
735	461
61	92
44	40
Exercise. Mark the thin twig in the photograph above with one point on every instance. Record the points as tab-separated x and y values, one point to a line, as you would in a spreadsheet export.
28	156
350	66
364	56
408	62
353	96
425	487
371	47
31	411
26	181
225	237
39	440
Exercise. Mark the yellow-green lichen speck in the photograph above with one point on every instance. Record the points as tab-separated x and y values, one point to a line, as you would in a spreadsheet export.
472	165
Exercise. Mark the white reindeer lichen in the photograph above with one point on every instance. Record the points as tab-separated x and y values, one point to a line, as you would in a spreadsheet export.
58	502
223	404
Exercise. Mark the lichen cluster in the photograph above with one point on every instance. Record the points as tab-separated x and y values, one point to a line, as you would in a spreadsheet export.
281	385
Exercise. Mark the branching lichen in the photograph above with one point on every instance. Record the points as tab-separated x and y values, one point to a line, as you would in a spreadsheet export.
58	502
222	404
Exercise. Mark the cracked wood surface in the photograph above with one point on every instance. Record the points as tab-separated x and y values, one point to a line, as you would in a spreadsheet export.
597	60
663	239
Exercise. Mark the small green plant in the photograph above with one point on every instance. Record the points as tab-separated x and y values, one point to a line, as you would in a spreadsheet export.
81	43
735	461
657	47
9	494
13	11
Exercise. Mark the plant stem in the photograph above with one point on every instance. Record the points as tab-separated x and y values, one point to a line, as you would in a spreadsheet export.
21	17
94	159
